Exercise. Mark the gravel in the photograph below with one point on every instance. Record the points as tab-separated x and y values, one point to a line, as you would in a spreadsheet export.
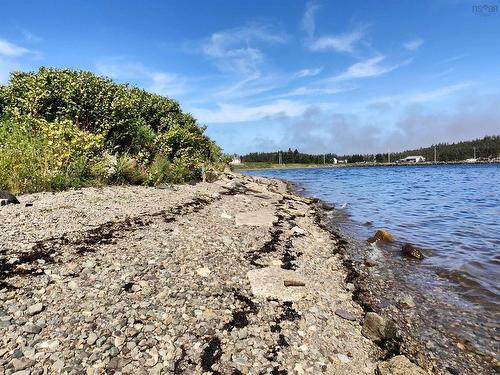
141	280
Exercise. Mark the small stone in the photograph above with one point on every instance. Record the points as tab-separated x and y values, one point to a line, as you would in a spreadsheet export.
35	309
113	351
225	216
57	366
203	272
32	328
21	363
298	230
382	235
411	251
51	345
344	314
350	287
406	302
92	338
343	358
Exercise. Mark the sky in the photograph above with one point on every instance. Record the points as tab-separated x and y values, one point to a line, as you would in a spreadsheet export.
319	76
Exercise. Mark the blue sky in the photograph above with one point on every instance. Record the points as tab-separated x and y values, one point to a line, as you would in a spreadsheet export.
320	76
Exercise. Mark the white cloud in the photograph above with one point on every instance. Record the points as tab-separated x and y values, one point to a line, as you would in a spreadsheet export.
313	91
341	43
308	72
308	20
369	68
231	50
11	50
226	112
414	44
162	83
418	97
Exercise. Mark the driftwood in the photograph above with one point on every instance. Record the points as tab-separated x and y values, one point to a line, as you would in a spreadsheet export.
293	283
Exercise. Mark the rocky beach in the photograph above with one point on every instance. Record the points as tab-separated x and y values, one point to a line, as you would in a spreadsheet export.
239	276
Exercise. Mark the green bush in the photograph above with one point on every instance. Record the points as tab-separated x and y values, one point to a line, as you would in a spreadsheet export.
61	128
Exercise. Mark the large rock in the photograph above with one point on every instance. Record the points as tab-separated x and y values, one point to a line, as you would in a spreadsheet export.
377	328
412	251
382	235
8	198
260	218
399	365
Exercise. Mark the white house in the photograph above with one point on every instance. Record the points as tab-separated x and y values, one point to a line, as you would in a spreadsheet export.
412	159
236	160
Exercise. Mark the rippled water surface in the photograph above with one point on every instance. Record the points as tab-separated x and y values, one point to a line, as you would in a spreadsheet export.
451	211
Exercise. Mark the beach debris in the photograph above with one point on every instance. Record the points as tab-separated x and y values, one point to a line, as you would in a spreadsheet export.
7	198
377	328
381	235
269	282
412	251
344	314
406	302
399	365
297	230
293	283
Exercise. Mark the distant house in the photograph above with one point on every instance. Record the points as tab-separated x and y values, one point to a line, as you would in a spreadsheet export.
412	159
335	161
236	160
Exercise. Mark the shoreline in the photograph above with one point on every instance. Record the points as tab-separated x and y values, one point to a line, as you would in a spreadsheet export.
370	293
239	168
184	280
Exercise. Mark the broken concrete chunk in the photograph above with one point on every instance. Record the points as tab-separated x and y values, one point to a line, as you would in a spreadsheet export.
269	282
260	218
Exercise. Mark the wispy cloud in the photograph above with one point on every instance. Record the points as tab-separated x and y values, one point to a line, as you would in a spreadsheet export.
314	91
160	82
236	51
372	67
309	18
228	113
419	97
344	42
413	45
308	72
11	50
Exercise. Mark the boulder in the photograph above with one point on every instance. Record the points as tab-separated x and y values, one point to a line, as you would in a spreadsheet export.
382	235
399	365
8	198
411	251
377	328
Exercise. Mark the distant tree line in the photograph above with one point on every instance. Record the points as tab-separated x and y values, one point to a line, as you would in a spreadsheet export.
487	147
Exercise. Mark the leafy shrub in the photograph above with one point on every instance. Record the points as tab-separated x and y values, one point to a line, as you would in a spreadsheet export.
64	128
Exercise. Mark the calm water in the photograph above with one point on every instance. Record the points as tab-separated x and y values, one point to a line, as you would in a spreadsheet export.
451	211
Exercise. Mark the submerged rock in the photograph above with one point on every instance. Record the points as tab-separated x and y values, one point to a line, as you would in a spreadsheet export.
382	235
412	251
376	327
399	365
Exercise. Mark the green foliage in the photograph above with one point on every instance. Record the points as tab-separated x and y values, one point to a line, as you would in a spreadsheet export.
164	171
75	126
37	155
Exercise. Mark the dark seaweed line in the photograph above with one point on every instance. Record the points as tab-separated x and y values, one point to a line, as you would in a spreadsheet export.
89	240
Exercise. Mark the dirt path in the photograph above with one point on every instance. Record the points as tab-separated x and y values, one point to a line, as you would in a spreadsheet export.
233	277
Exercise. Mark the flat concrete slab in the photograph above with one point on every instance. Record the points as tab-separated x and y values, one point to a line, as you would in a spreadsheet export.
260	218
270	282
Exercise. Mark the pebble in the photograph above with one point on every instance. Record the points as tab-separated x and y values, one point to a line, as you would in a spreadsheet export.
35	309
344	314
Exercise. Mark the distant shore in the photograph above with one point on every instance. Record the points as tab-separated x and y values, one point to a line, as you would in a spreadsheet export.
264	165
